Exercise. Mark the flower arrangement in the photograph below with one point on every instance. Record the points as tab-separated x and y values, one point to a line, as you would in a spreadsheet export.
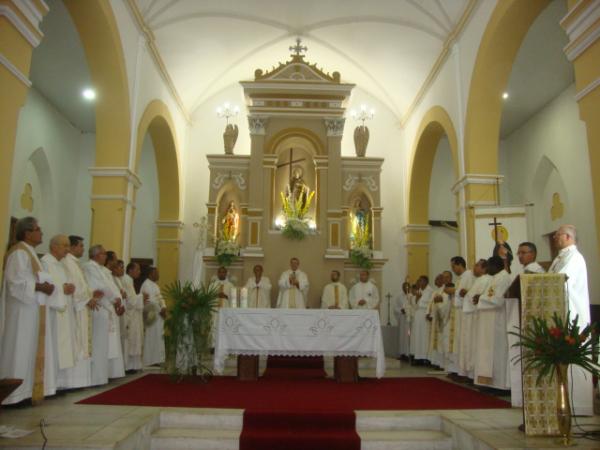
361	257
545	346
296	223
188	334
226	252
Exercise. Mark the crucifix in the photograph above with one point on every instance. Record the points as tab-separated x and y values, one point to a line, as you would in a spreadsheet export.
389	299
290	162
297	49
495	223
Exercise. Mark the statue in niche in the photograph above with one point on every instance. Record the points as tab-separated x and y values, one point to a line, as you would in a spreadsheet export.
360	226
297	189
230	223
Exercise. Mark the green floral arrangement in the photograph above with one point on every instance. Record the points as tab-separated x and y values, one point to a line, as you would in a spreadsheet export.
361	257
188	328
545	346
297	225
226	252
360	246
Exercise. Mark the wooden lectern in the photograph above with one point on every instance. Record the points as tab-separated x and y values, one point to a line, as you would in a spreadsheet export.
538	295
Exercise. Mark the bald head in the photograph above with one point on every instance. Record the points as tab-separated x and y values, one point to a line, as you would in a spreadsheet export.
565	236
59	246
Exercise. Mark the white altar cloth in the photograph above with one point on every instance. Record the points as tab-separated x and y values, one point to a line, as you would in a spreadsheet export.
293	332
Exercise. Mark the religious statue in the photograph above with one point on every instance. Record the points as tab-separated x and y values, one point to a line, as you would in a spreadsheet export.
230	223
297	188
361	236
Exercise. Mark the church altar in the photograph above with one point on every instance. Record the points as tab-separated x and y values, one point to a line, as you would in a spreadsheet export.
289	332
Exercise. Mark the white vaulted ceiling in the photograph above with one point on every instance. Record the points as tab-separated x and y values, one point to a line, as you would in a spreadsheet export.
387	47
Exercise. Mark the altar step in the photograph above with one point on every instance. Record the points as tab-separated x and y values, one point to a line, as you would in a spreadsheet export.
220	430
363	363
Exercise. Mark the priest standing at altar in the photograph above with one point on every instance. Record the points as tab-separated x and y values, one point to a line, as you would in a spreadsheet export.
570	262
259	289
154	338
293	287
364	294
335	295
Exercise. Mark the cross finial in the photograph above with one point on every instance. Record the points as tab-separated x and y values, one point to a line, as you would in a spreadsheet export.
298	49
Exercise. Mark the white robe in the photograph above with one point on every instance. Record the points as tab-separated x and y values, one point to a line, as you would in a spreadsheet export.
533	267
439	313
289	295
364	291
419	343
62	319
154	337
491	360
259	294
107	357
134	325
404	302
453	328
81	374
328	298
123	317
468	335
570	262
19	323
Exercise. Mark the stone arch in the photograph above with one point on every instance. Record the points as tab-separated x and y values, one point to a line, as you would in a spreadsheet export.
435	124
158	123
279	138
505	31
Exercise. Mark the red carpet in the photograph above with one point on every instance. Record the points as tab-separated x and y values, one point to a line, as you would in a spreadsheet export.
293	368
274	394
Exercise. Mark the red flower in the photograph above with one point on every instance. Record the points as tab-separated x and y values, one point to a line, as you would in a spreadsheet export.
570	340
583	337
555	332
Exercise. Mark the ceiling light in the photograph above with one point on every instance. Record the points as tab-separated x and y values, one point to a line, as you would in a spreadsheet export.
505	95
89	94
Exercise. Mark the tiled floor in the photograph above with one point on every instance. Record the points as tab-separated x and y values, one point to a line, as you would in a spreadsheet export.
73	426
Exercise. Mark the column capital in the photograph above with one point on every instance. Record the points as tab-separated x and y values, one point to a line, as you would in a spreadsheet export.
335	126
476	178
116	172
257	125
416	227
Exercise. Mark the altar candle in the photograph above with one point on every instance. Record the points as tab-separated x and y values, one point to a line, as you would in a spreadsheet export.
243	297
233	298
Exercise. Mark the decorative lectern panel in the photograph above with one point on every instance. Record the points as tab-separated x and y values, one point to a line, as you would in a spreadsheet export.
541	296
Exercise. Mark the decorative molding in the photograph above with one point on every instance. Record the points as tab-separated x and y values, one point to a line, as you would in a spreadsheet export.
335	126
169	224
31	12
158	61
14	70
34	38
586	90
475	178
580	18
222	177
416	227
576	47
124	172
416	244
352	180
169	241
122	198
257	125
441	59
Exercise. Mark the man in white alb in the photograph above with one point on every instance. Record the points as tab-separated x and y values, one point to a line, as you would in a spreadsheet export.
419	342
259	289
527	253
437	314
22	303
335	295
84	302
155	314
491	357
61	311
571	262
293	287
135	318
107	356
364	294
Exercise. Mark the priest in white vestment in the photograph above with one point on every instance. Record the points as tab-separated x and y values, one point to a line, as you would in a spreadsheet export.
154	337
293	287
463	282
259	289
107	356
468	335
225	294
24	290
364	294
571	262
84	302
419	341
491	358
134	312
335	294
117	270
437	313
404	314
